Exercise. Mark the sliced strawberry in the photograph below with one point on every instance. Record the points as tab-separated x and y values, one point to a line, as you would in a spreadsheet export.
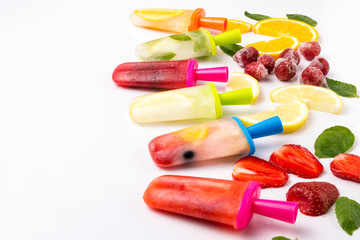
297	160
256	169
346	166
314	198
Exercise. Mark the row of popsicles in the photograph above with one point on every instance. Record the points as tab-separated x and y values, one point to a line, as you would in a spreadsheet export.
223	201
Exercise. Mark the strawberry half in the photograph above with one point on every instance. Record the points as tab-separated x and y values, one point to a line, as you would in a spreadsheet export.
297	160
346	166
314	198
256	169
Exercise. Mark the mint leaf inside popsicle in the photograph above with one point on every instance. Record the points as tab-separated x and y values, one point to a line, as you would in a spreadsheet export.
163	56
181	37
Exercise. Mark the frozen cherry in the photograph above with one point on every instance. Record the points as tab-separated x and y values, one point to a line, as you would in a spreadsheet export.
310	50
268	61
245	56
285	69
312	76
290	54
321	64
256	70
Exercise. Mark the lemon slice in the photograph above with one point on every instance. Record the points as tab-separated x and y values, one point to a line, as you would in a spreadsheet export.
158	14
276	46
278	27
293	116
317	98
243	26
194	133
239	80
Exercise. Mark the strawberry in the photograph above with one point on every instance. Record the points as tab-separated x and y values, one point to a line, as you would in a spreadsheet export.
256	169
297	160
314	198
346	166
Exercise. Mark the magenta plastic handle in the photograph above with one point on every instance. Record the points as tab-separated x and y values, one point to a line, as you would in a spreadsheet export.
218	74
280	210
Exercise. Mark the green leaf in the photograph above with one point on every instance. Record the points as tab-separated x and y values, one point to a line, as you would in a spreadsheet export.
231	49
181	37
256	17
348	214
333	141
162	56
280	238
302	18
341	88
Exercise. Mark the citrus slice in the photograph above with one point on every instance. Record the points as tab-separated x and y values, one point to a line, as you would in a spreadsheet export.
243	26
278	27
158	14
276	46
317	98
239	80
293	116
194	133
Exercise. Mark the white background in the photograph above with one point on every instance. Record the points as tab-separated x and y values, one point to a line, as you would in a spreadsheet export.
72	163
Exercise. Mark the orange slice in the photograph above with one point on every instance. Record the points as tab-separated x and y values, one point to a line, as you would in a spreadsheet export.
243	26
278	27
276	46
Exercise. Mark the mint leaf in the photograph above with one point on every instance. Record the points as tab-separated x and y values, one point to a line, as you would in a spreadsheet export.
256	17
162	56
341	88
333	141
181	37
348	214
302	18
280	238
231	49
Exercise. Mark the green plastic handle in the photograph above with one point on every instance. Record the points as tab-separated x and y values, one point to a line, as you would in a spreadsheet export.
229	37
237	97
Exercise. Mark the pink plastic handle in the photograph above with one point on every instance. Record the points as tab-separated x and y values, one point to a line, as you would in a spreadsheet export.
218	74
280	210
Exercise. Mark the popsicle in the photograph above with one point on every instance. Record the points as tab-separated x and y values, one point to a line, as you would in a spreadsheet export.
215	139
223	201
187	45
166	74
186	103
176	20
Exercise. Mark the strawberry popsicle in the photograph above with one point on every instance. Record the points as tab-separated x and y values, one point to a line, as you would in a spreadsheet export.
215	139
223	201
187	45
166	74
176	20
186	103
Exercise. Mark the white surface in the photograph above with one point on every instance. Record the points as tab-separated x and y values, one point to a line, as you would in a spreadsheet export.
72	163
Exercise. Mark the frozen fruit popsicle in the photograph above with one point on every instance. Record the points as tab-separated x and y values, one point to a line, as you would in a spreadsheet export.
186	103
166	74
176	20
223	201
215	139
187	45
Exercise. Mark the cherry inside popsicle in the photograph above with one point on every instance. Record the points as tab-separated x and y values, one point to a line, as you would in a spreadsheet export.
223	201
166	74
210	140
